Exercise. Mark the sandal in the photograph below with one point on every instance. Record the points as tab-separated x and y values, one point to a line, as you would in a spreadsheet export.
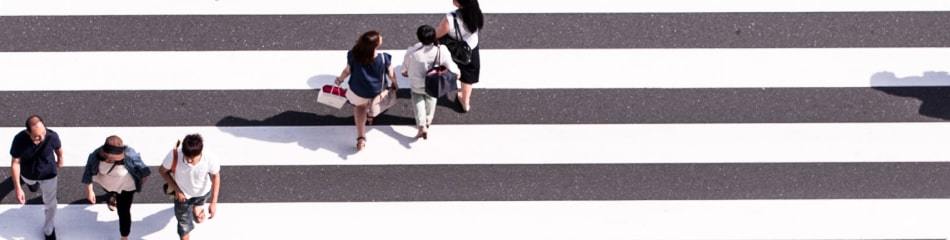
112	202
360	143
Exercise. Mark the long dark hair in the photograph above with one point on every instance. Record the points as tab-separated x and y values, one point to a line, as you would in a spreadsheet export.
471	15
365	46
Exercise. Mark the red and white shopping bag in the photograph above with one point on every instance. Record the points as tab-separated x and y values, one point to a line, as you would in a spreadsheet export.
332	96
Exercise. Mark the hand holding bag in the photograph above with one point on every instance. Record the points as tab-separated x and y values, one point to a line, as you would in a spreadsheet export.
439	80
170	192
332	96
461	52
386	97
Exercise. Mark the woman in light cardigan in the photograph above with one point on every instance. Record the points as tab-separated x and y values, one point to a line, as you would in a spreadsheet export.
418	60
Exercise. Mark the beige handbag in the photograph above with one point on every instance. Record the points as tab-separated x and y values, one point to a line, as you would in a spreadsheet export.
386	98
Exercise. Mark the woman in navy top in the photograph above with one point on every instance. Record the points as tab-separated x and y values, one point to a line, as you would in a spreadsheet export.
365	68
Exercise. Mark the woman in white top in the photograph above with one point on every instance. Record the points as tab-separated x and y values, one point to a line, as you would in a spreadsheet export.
419	59
119	170
470	21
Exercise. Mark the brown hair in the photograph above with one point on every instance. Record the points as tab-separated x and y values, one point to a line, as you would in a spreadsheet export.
365	47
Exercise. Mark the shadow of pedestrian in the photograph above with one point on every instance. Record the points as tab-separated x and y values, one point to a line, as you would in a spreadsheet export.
307	134
6	189
931	88
81	221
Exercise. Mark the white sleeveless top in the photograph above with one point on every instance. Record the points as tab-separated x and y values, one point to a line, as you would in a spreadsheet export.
469	37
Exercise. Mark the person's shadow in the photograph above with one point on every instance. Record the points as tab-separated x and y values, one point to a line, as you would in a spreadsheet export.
337	140
77	219
932	88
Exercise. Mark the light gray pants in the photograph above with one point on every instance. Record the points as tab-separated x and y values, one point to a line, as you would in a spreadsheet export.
48	189
424	106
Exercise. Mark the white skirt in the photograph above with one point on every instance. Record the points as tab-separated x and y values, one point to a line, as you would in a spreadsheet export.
356	99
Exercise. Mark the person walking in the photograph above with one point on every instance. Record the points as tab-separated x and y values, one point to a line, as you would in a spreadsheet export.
37	155
419	58
119	170
195	176
468	16
365	68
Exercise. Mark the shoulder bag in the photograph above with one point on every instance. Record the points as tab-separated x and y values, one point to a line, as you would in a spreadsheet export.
461	52
439	80
386	97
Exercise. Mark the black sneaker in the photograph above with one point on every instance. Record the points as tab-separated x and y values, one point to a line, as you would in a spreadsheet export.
33	187
52	236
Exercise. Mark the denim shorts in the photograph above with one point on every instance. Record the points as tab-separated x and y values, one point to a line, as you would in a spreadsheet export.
185	214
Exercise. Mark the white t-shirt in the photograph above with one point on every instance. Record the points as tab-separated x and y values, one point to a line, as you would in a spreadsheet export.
469	37
114	177
194	181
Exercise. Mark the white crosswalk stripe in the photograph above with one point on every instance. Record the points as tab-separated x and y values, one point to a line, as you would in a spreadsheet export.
650	68
504	144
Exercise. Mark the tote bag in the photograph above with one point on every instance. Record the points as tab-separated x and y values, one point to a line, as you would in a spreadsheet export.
439	80
332	96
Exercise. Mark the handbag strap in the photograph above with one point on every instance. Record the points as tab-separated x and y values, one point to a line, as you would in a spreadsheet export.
382	85
438	53
455	20
175	157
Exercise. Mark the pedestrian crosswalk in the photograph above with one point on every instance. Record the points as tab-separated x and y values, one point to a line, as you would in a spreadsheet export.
605	119
648	68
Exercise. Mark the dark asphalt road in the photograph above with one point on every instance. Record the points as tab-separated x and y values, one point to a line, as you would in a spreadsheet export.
486	182
503	31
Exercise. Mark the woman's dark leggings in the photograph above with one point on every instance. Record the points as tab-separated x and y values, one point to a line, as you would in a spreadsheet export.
124	206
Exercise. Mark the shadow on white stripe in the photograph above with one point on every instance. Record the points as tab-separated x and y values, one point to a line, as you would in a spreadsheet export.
534	144
214	7
553	220
511	69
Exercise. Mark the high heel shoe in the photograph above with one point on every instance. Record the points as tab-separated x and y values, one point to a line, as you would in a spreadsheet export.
360	143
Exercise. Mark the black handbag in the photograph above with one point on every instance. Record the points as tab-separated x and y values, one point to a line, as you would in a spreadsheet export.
439	80
461	52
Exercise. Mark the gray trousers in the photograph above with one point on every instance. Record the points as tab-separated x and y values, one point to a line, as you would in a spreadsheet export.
48	189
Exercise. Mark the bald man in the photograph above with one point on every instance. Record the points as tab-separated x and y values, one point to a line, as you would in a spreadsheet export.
37	155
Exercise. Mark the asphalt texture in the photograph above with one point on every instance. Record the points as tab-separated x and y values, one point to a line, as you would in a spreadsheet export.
549	182
487	182
502	31
500	106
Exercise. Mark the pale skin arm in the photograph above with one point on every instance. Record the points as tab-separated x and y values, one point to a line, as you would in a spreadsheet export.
215	186
343	75
15	174
392	76
90	194
59	158
442	29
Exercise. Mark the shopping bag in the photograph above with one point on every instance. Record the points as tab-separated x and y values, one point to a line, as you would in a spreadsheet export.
332	96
